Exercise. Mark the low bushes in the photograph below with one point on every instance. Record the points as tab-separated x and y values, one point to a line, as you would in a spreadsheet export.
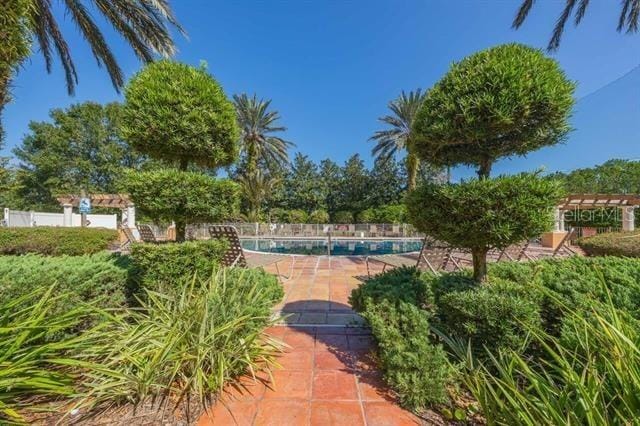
186	344
612	244
166	265
56	241
412	312
391	213
102	279
593	380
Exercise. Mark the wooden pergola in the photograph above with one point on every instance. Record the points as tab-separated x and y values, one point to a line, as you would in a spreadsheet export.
596	201
625	202
116	201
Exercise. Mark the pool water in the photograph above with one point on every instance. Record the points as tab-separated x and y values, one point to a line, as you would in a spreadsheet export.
338	247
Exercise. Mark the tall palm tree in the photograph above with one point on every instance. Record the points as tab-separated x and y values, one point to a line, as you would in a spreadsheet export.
258	125
398	135
144	24
627	21
256	189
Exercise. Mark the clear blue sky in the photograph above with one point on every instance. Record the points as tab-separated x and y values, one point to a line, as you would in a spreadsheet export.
330	67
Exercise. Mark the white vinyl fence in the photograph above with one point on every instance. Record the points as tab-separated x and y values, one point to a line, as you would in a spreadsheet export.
21	219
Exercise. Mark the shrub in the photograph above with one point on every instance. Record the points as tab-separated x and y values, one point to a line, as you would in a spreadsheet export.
318	216
185	346
392	213
166	266
298	216
612	244
398	285
576	282
278	215
55	241
481	214
343	217
184	197
416	368
367	216
412	365
593	381
101	279
498	315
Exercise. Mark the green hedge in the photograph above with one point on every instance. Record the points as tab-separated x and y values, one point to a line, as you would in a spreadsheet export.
163	266
56	241
102	278
612	244
404	304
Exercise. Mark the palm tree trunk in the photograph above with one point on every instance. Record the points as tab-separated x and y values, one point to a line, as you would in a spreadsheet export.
413	162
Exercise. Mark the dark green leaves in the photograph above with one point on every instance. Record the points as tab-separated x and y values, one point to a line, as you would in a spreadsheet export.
180	114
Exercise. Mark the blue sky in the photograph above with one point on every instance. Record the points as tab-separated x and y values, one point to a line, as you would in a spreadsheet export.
331	66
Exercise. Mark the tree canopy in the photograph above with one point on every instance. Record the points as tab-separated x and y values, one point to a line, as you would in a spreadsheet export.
503	101
79	148
178	113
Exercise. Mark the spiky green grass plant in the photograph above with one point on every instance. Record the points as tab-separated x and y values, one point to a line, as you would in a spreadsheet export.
33	364
588	376
185	346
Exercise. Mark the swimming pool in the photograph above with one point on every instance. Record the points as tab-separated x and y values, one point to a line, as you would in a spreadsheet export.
338	247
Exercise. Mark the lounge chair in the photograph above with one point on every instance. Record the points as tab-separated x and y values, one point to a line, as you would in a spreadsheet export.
146	234
564	247
234	256
435	259
129	236
515	252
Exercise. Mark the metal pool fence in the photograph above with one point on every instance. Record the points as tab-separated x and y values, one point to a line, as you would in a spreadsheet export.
311	230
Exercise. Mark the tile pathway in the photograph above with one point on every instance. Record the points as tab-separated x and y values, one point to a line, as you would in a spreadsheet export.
327	375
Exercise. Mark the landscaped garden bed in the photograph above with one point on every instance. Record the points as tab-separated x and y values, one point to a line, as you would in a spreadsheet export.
440	335
612	244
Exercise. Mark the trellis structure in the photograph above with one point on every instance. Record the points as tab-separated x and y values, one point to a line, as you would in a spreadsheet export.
627	203
116	201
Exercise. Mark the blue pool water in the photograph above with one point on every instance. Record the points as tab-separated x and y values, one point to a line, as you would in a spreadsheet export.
338	247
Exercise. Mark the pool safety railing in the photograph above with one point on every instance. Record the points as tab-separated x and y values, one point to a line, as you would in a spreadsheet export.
312	230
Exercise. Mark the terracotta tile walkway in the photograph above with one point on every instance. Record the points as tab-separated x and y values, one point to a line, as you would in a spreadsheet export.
327	375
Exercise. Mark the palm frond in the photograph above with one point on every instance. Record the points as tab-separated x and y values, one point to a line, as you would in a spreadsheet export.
144	24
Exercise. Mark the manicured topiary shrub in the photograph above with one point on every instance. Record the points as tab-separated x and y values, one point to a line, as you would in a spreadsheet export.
612	244
481	214
166	266
166	194
102	279
56	241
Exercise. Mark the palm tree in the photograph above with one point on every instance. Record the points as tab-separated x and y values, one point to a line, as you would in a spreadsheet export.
256	189
257	140
144	24
627	21
398	136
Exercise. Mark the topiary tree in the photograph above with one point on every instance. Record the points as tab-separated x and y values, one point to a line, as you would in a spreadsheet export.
485	214
504	101
183	196
179	114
